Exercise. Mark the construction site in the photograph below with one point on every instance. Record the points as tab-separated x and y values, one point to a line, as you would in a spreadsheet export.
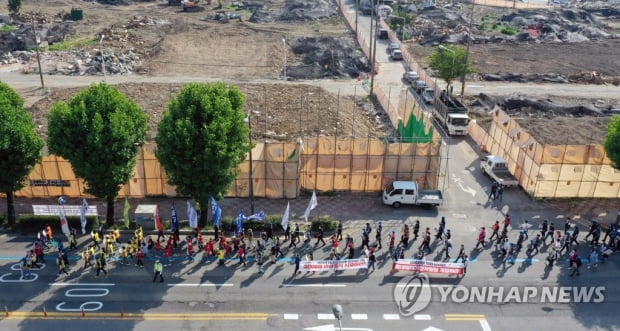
305	40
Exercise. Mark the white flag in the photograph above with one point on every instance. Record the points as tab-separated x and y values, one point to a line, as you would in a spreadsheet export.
285	216
83	211
313	203
192	215
63	222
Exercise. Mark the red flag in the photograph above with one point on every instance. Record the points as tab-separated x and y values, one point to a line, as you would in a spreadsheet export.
158	224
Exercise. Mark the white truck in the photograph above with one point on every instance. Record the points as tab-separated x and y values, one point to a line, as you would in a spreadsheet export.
497	168
407	193
451	113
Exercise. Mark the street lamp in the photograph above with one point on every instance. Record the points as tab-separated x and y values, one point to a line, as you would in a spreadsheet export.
451	68
248	120
284	66
102	57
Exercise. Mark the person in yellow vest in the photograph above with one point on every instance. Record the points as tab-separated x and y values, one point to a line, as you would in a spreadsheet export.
117	235
220	256
158	269
95	236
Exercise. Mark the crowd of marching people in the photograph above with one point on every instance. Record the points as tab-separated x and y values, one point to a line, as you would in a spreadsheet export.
267	247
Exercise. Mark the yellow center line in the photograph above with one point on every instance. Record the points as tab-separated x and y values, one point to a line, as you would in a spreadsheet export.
464	317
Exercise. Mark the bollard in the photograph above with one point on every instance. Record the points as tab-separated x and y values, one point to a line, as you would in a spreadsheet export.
83	314
6	311
44	311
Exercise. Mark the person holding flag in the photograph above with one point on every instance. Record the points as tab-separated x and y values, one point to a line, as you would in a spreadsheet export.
158	224
174	219
216	215
63	219
313	203
240	218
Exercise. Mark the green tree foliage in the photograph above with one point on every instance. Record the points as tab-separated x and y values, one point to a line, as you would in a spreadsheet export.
20	147
612	141
201	140
100	132
450	65
14	6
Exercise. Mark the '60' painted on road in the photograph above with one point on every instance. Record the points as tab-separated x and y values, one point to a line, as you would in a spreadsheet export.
85	291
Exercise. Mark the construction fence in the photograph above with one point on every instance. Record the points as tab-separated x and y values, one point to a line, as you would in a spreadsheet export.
549	171
279	170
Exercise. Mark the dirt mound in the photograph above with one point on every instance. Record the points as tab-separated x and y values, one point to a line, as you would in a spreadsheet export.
327	57
524	77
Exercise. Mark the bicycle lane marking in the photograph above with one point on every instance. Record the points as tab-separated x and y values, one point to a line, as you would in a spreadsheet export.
85	292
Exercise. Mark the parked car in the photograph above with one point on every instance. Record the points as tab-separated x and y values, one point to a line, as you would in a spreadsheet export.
392	46
410	77
428	96
383	33
419	86
396	55
366	7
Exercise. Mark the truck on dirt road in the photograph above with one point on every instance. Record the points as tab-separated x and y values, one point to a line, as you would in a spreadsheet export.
497	168
451	113
408	193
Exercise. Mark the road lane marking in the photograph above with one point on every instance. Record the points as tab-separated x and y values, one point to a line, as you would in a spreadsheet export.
81	284
20	280
315	285
485	325
359	316
27	315
325	316
464	317
422	317
83	307
291	316
201	285
391	317
91	292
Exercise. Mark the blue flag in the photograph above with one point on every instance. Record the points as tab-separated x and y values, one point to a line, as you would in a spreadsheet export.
216	213
174	218
240	218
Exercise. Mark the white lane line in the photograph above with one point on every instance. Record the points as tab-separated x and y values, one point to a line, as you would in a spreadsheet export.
359	316
485	325
325	316
315	285
422	317
391	317
81	284
90	292
291	316
201	285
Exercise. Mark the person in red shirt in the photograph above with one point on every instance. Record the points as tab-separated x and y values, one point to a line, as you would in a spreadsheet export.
481	237
495	231
190	248
168	254
241	253
506	222
139	257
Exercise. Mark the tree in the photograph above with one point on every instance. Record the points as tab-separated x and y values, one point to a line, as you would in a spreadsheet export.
20	147
201	140
449	62
14	6
100	132
612	141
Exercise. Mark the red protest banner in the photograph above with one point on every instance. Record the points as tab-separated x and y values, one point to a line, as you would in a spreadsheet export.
429	267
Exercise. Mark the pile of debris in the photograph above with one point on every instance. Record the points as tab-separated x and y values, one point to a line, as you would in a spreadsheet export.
78	63
520	106
293	10
141	21
223	17
327	57
587	77
524	77
436	26
23	36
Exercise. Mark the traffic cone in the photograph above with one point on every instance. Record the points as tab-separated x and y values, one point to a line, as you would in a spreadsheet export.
44	311
6	311
83	313
122	314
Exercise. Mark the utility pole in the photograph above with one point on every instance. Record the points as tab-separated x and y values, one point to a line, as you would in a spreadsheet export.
373	49
471	22
370	47
37	40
